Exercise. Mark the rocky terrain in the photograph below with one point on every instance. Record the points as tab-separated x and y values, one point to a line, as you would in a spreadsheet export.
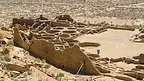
131	10
71	40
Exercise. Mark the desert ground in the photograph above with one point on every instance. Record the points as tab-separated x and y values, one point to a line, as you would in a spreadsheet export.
113	11
64	46
114	43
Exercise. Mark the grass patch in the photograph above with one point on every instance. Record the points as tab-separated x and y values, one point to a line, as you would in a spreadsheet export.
47	66
38	60
43	61
60	75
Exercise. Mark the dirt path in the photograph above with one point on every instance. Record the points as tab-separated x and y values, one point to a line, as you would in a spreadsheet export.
114	43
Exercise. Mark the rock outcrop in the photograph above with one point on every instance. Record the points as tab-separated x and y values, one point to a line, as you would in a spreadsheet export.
137	75
15	67
88	44
140	58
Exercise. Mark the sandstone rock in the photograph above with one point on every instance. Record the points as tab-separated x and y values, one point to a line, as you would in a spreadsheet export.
93	55
70	59
58	28
64	17
102	70
123	78
71	40
104	59
140	67
136	57
20	27
116	60
128	60
141	61
88	44
15	67
20	39
56	24
79	24
53	31
64	35
69	31
120	28
140	58
137	75
92	58
71	28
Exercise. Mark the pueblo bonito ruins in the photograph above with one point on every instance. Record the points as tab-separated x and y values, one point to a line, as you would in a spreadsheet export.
55	40
57	44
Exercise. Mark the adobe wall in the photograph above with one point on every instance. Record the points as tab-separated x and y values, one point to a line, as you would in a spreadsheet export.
120	28
23	21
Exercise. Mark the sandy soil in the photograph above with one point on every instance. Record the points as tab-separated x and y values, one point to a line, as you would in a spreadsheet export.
114	43
110	20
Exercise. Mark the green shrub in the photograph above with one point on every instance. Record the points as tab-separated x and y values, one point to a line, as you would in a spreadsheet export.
60	75
38	60
7	58
43	61
47	66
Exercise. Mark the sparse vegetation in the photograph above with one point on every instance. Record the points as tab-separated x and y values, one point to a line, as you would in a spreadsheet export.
38	60
14	74
60	75
29	72
10	43
47	66
7	58
5	51
43	61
